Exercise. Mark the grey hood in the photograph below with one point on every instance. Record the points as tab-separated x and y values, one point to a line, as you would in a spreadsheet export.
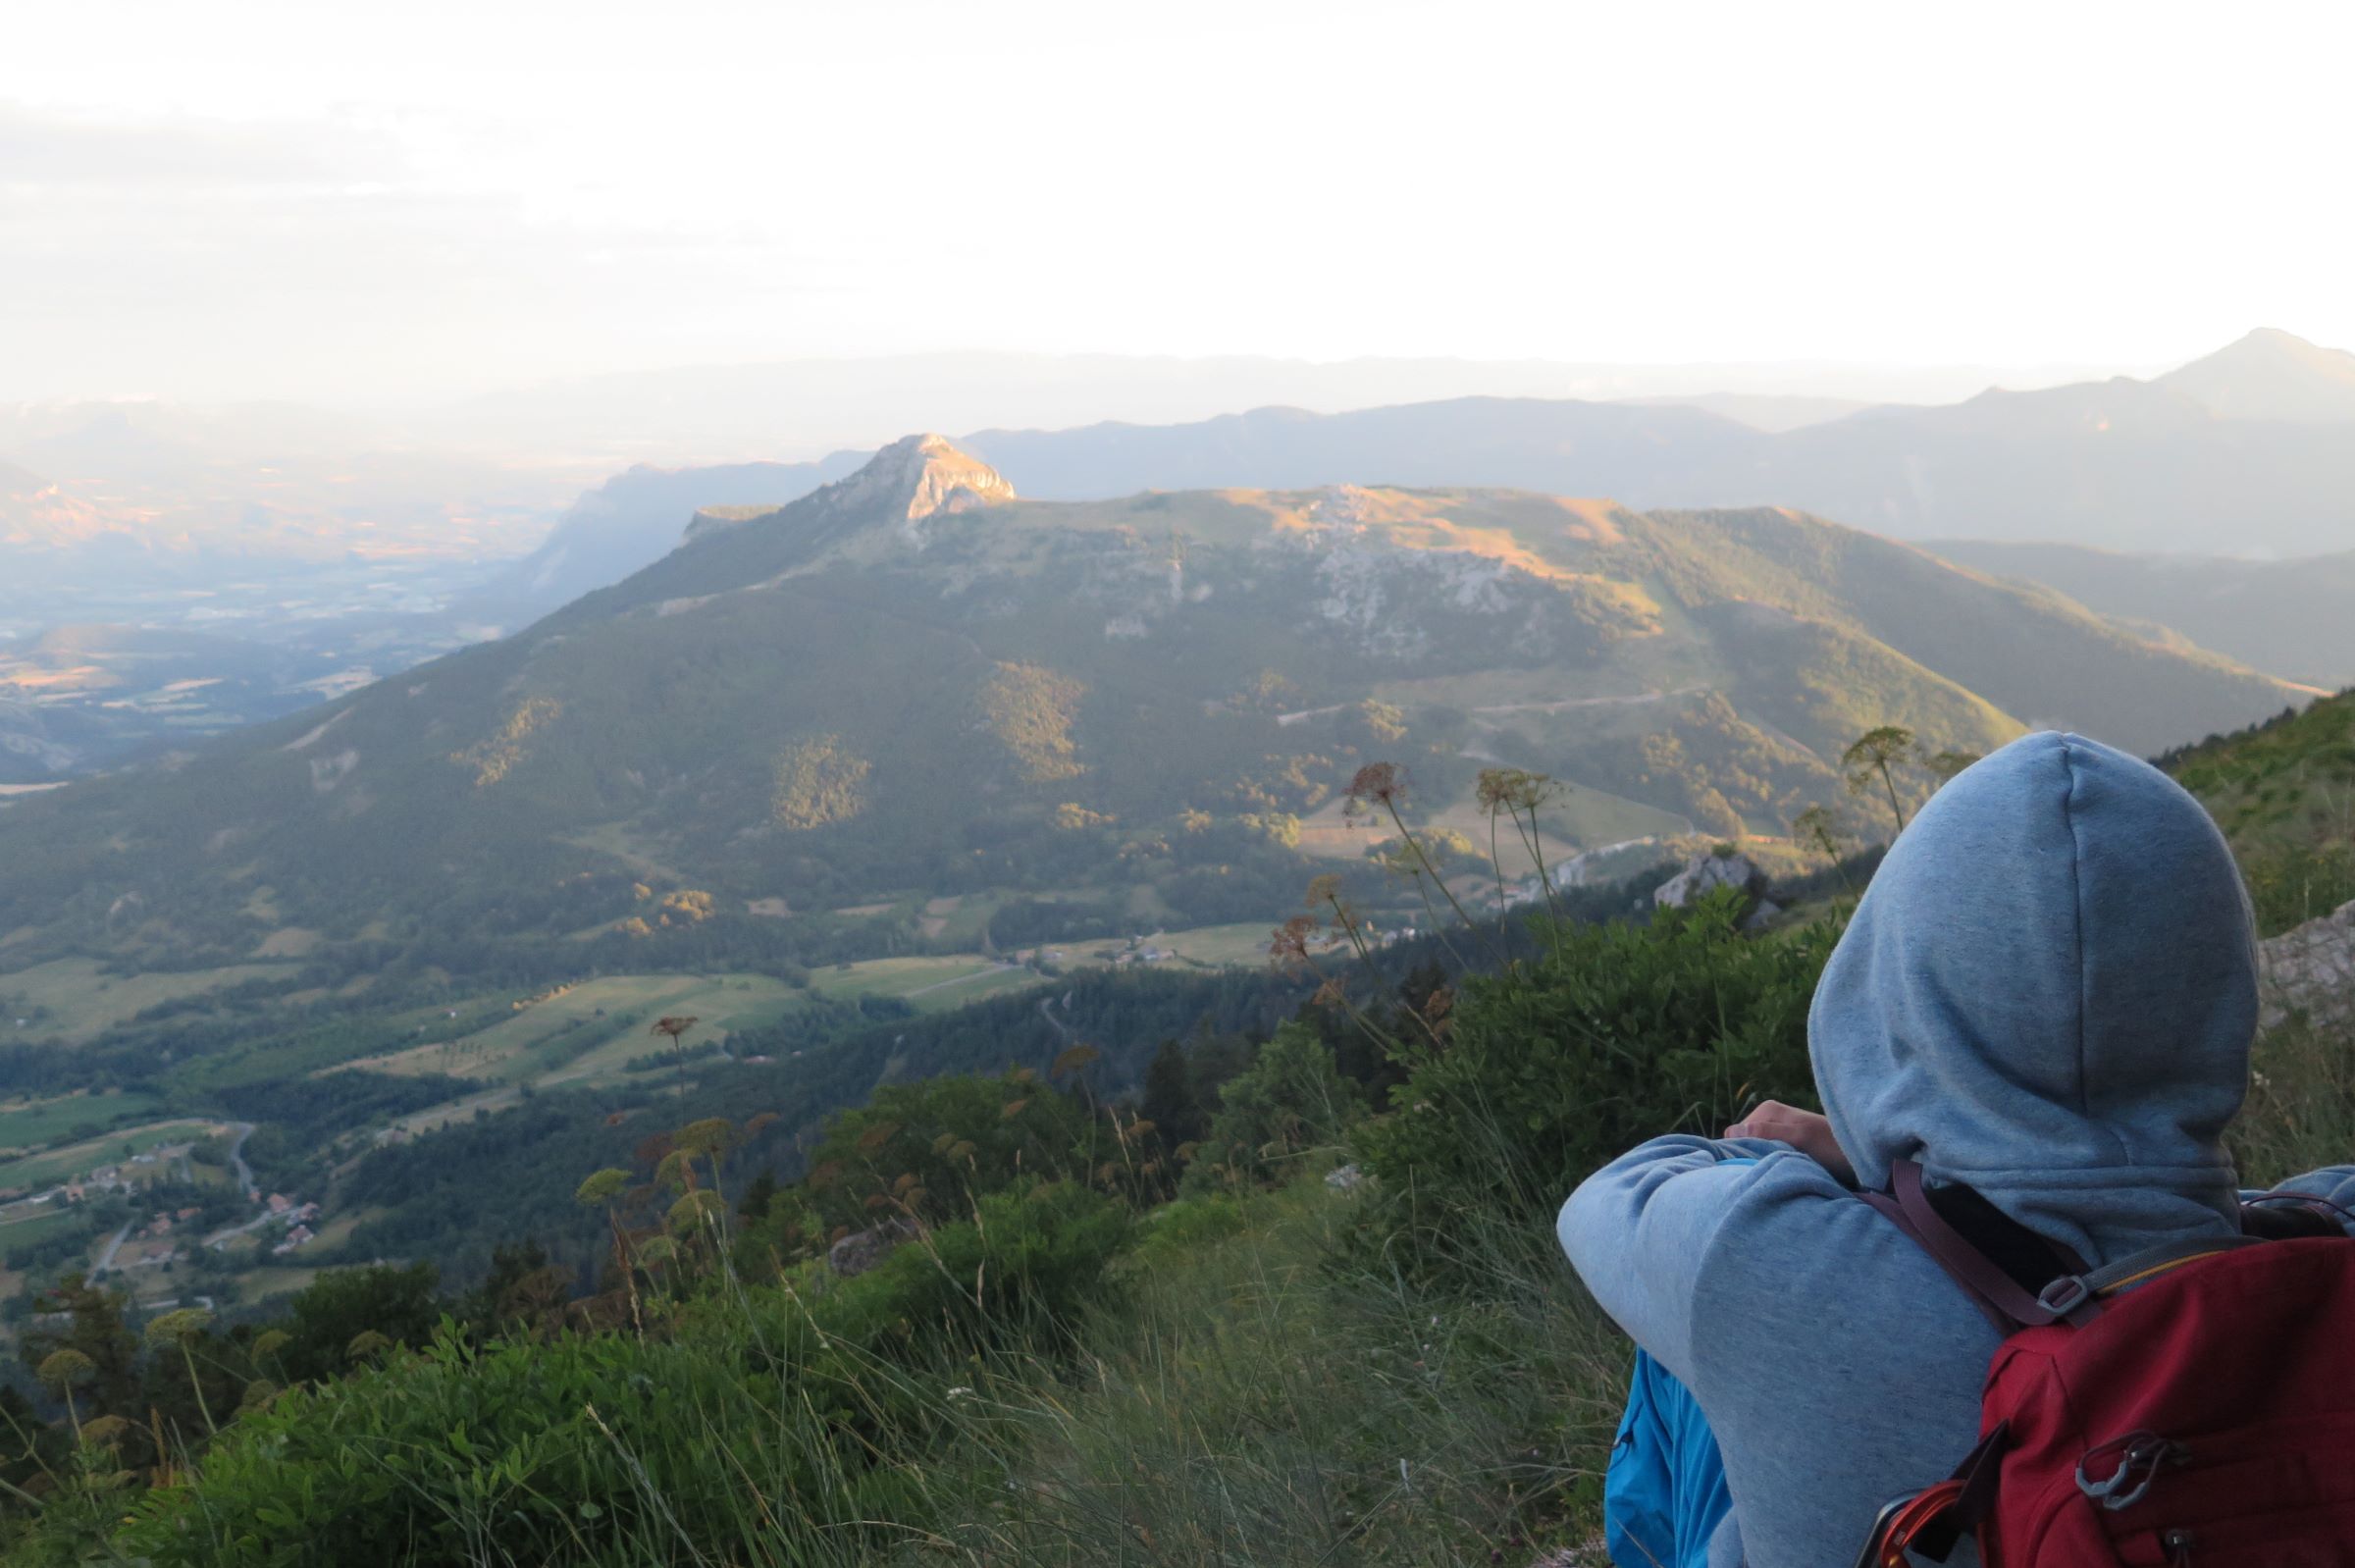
2049	992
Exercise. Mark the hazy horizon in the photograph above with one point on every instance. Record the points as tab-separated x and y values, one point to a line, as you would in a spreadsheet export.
284	203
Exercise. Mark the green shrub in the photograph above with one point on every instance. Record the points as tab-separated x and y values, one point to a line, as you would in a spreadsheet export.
1184	1225
1618	1033
1290	1100
786	1424
2289	885
946	1141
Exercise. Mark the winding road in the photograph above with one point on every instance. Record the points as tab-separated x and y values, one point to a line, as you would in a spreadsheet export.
236	1161
106	1258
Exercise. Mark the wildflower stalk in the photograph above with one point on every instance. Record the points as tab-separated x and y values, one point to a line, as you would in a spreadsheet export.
1439	927
179	1329
1291	944
1514	791
1391	805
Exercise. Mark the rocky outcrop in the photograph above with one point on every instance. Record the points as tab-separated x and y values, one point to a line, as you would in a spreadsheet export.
1705	872
918	476
914	477
2311	969
862	1250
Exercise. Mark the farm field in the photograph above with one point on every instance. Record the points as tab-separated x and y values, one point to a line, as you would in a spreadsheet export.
277	1280
82	1001
53	1165
31	1123
961	919
927	983
586	1034
1244	945
27	1224
1581	818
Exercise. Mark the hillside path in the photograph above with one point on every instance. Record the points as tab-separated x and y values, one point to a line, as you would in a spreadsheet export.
236	1161
106	1258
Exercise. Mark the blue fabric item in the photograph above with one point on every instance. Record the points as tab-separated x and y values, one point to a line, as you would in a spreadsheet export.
2049	992
1664	1495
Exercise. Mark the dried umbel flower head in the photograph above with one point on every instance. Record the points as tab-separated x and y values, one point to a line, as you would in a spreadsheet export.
712	1135
64	1367
602	1187
1377	783
179	1327
1288	946
1514	788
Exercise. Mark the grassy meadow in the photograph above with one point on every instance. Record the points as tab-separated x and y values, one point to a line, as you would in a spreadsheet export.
65	1162
26	1124
79	999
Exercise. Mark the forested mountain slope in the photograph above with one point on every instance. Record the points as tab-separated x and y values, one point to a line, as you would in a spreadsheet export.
2294	618
911	679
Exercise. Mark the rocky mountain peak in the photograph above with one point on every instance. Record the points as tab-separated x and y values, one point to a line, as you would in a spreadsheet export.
912	478
917	476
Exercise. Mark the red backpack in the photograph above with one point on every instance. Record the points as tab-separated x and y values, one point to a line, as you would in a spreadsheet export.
2190	1407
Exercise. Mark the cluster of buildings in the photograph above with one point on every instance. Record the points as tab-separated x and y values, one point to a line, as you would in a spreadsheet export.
164	1222
299	1217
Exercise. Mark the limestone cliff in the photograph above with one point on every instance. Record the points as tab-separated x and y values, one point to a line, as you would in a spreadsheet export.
908	480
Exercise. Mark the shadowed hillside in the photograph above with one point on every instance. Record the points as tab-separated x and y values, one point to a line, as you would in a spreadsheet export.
2289	617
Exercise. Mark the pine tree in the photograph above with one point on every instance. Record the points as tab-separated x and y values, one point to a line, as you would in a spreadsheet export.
1169	1100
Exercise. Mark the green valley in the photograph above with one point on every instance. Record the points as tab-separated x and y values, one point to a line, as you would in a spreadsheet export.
888	781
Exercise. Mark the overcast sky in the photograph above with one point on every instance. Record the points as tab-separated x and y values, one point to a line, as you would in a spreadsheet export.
365	202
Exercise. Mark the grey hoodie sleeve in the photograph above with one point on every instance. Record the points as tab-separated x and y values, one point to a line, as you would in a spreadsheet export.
1638	1231
2334	1184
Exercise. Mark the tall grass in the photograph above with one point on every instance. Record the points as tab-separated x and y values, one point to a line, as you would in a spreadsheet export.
1242	1398
2300	1114
1262	1403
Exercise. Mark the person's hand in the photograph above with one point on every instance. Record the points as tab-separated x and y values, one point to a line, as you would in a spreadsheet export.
1804	1130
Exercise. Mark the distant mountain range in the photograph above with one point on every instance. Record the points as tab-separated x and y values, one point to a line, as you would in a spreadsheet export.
2244	450
74	698
910	679
102	501
630	520
669	415
2272	374
38	515
2294	618
2121	464
252	521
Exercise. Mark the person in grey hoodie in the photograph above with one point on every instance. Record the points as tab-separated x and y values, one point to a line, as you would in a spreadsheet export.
2048	994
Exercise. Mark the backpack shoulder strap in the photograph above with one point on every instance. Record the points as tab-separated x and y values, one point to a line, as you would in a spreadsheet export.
2005	1303
2073	1298
2132	1270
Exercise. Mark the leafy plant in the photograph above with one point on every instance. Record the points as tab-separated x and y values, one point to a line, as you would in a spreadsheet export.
1617	1033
